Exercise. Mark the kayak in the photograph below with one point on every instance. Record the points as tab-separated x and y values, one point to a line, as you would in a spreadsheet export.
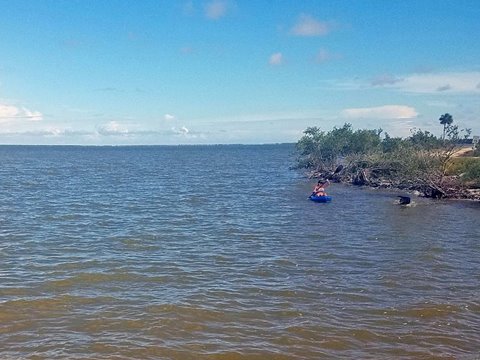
322	199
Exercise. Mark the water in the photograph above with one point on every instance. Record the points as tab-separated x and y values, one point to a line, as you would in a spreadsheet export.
216	253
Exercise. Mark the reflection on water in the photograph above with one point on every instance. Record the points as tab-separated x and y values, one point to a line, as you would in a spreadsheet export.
216	253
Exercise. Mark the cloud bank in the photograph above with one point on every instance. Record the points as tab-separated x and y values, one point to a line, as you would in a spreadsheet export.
10	112
432	83
113	128
381	112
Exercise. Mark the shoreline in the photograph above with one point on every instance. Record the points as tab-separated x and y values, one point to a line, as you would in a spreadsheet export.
458	193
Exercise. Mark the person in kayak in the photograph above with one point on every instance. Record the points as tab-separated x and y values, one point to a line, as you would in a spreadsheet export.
319	189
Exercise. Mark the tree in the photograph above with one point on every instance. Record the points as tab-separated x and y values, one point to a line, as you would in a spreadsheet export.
425	140
446	120
320	150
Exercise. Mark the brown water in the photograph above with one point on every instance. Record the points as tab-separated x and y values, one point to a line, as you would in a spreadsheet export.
216	253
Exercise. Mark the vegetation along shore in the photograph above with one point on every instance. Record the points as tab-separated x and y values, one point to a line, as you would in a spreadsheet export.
422	163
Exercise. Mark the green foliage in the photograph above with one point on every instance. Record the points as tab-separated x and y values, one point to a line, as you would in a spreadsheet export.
472	174
391	145
446	119
321	150
459	165
424	140
467	167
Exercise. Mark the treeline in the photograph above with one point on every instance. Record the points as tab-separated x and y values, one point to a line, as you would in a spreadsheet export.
421	162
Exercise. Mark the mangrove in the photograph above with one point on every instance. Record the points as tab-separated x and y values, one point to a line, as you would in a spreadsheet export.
422	163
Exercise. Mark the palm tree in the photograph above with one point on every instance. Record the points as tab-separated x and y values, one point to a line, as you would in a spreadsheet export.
445	120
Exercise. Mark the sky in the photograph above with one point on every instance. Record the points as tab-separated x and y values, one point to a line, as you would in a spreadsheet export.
127	72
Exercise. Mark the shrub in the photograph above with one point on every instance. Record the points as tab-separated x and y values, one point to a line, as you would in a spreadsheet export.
472	173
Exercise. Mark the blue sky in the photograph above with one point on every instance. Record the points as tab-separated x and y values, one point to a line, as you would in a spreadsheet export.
229	71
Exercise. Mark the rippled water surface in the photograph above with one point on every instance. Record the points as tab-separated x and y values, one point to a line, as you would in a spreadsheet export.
215	253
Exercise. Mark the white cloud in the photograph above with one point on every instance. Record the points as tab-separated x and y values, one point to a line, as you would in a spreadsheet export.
399	127
324	56
187	134
52	131
182	131
168	117
381	112
216	9
10	112
32	115
309	26
113	128
276	59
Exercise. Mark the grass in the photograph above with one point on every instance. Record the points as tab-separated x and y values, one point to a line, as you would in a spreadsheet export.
468	167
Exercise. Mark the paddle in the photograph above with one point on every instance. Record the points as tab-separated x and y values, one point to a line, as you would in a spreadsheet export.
338	169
